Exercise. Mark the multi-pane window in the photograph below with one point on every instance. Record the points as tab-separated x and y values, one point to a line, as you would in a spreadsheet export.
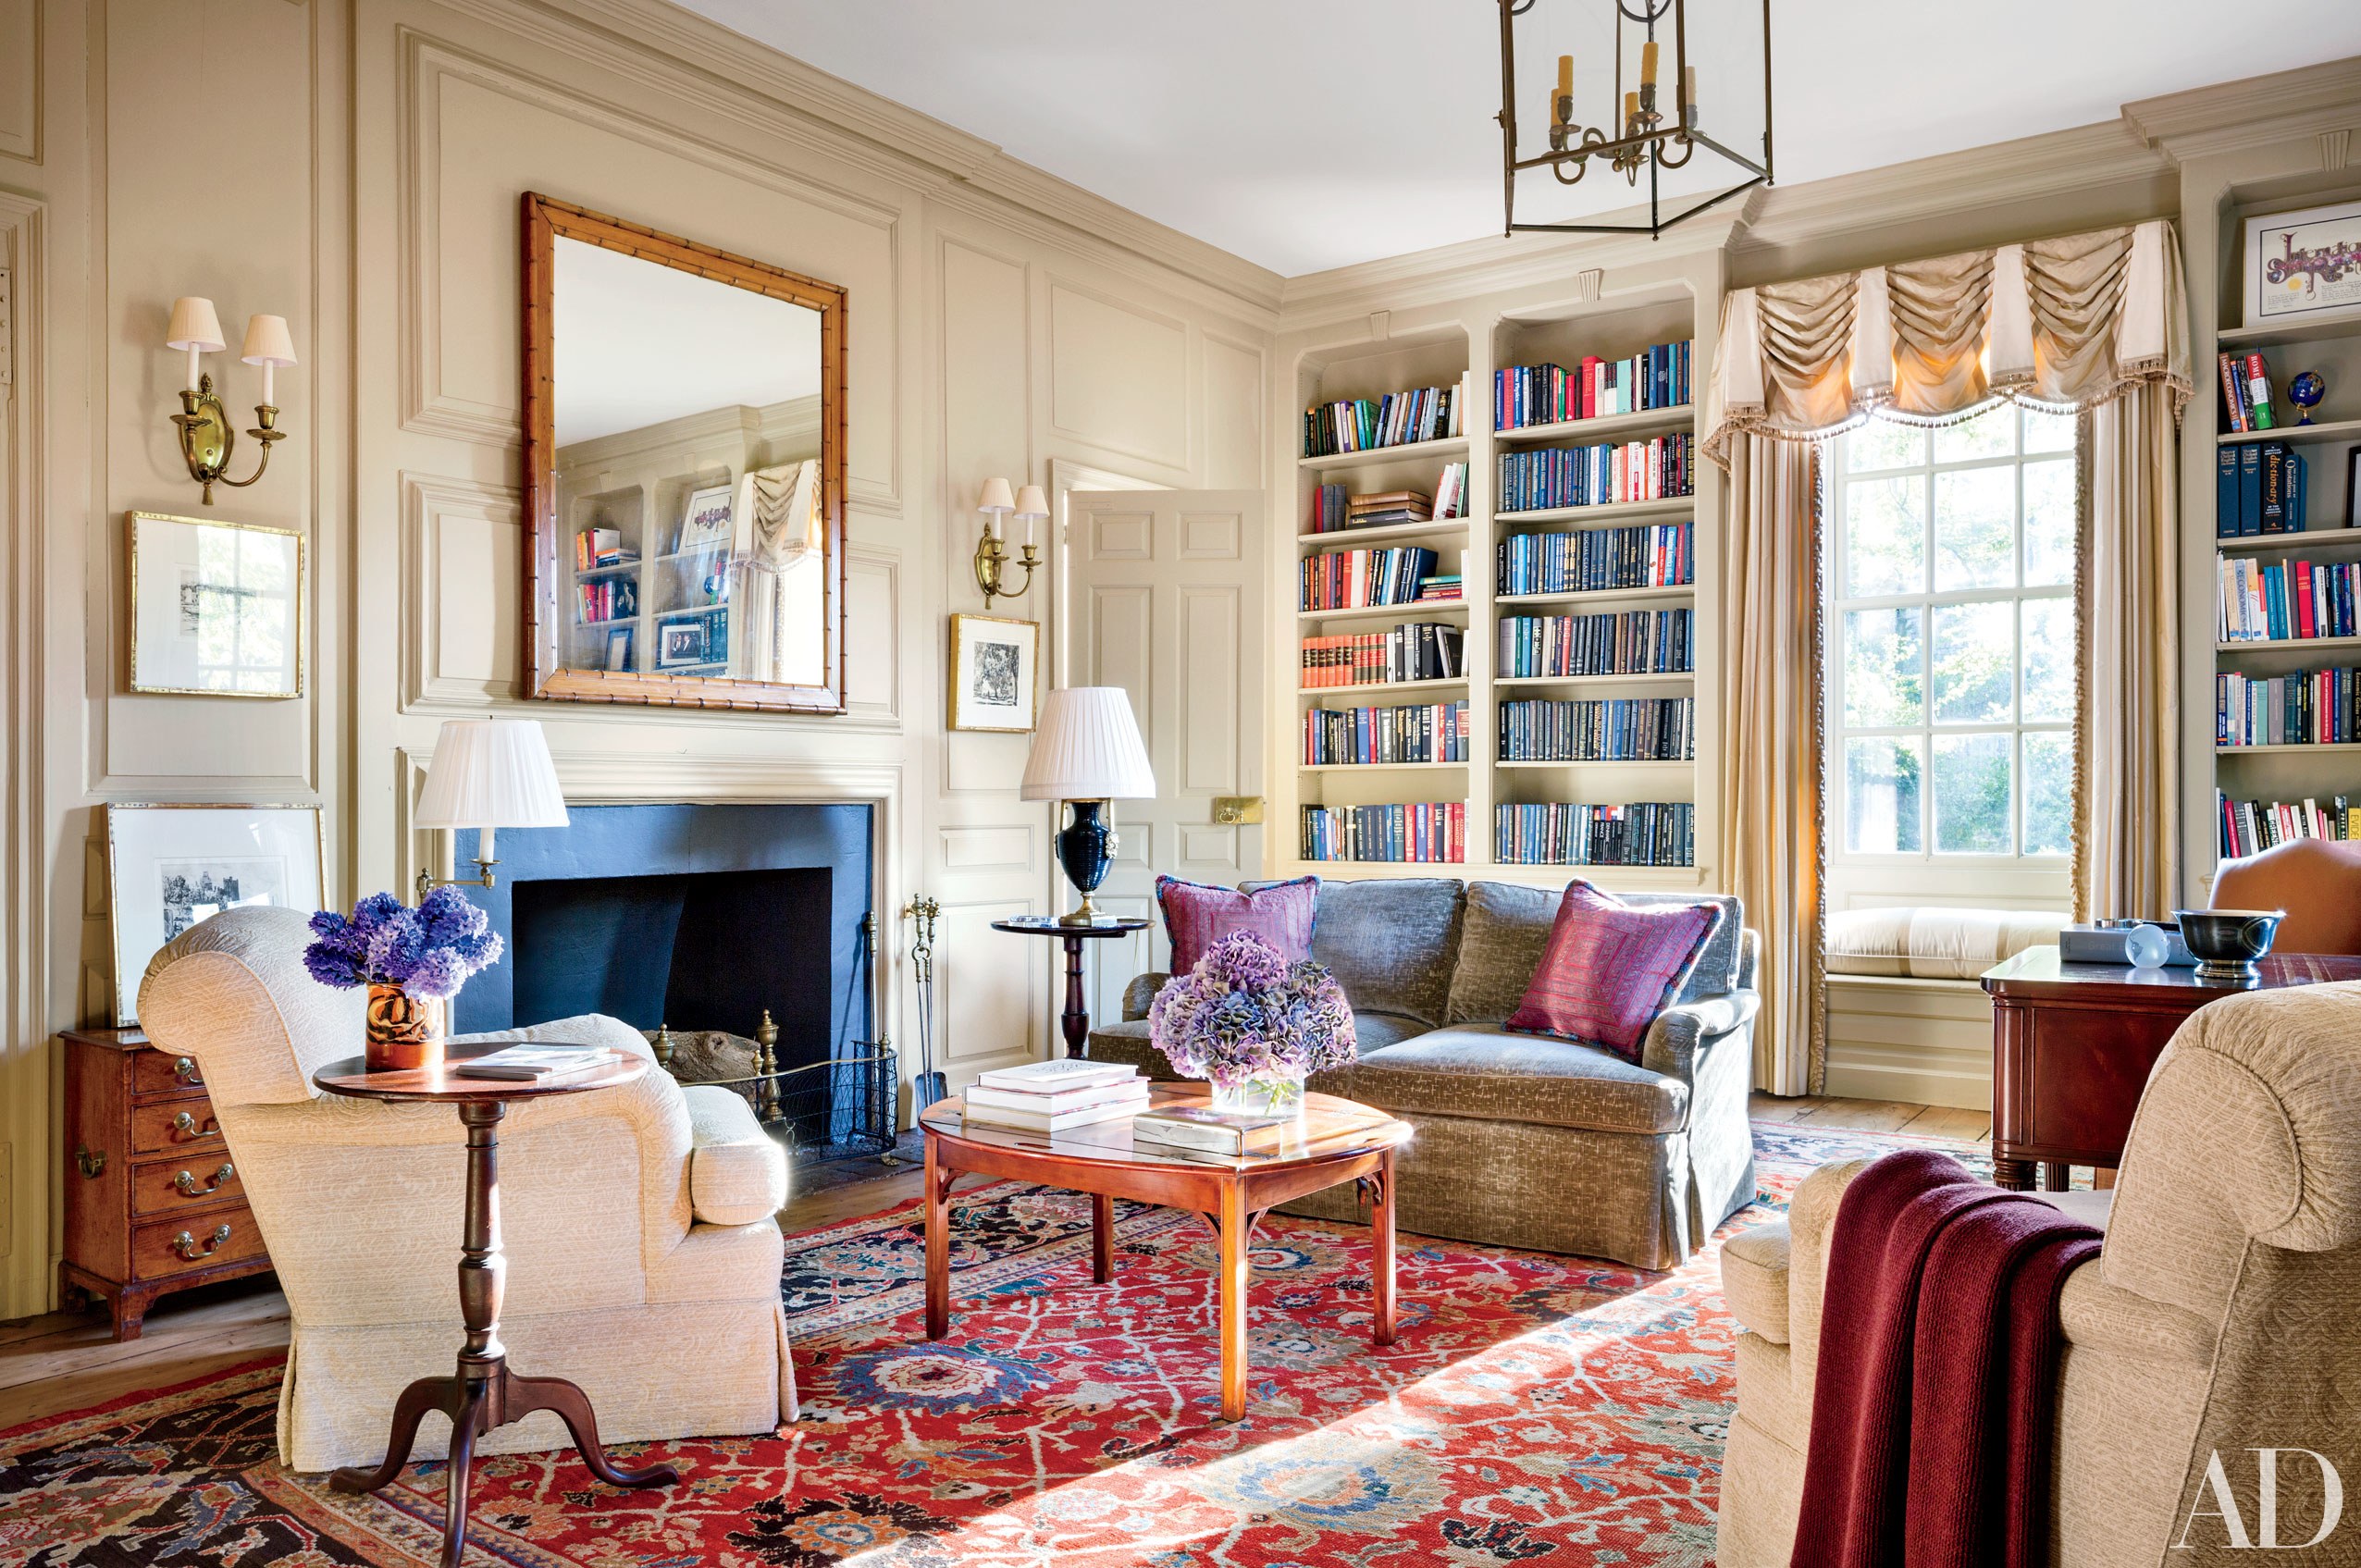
1950	627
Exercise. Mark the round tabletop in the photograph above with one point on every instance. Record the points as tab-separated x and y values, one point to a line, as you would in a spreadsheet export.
352	1078
1331	1128
1049	925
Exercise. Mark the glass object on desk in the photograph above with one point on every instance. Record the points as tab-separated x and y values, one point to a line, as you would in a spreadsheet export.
2145	947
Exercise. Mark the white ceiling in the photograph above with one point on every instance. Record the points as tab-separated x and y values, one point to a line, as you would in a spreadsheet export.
1305	134
637	343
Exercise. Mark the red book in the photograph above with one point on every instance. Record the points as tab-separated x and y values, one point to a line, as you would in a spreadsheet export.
2307	625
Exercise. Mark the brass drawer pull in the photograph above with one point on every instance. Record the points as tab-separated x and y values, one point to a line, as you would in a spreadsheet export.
186	1182
184	1068
187	1247
186	1126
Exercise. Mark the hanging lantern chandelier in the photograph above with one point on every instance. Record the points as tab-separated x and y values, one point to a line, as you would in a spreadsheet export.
1638	137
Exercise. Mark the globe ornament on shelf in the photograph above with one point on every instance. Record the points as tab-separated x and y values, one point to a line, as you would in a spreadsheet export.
2304	394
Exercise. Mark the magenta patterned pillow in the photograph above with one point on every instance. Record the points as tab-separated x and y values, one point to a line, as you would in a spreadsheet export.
1197	915
1611	967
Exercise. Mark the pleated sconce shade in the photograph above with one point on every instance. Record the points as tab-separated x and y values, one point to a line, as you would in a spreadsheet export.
491	773
1087	747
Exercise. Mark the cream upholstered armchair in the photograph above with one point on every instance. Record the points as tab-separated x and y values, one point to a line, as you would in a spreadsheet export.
2217	1317
643	1253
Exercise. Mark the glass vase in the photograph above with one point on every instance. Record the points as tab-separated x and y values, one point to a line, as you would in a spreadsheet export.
1278	1095
403	1031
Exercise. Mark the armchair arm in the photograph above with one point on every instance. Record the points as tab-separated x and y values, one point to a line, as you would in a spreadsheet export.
737	1174
1141	993
1673	1040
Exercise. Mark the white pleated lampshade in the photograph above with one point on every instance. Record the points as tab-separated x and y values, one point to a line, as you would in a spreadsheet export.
997	498
1088	748
491	773
194	325
1031	503
268	343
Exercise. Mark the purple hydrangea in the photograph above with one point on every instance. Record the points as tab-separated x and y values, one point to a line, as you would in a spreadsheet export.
429	951
1244	1013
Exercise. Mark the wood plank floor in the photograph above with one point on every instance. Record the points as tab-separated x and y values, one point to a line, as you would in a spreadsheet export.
63	1361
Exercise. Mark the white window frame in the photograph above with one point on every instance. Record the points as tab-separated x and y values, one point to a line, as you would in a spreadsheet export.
1837	733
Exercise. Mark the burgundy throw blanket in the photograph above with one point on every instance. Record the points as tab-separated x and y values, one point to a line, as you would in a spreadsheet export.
1938	1357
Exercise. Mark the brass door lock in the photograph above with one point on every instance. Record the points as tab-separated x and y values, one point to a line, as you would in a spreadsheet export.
1237	810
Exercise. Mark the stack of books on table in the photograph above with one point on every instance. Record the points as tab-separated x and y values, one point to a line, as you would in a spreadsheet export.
536	1064
1206	1130
1054	1096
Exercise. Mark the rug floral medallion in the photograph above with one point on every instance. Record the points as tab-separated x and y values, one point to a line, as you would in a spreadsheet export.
1536	1409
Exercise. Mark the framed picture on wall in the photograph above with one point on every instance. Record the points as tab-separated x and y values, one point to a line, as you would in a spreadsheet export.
217	608
994	673
706	524
170	867
2303	264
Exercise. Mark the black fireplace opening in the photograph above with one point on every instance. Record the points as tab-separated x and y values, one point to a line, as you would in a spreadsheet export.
699	950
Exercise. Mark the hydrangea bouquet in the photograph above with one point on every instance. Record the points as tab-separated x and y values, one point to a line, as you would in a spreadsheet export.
413	960
1252	1024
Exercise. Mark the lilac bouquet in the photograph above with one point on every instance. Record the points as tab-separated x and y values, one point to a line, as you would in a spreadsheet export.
1246	1019
428	952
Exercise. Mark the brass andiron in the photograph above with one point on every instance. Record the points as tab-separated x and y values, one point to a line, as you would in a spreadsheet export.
766	1063
662	1046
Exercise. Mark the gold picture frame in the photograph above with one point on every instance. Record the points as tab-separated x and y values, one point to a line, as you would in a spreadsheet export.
179	617
994	678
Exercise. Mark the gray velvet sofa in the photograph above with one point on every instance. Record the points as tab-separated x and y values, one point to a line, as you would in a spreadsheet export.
1523	1141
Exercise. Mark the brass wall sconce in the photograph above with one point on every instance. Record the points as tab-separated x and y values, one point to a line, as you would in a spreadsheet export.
992	563
206	440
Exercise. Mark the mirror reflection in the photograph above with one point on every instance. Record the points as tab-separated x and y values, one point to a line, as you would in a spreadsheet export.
690	513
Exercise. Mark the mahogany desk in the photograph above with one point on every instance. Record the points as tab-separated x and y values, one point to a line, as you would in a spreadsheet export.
2072	1043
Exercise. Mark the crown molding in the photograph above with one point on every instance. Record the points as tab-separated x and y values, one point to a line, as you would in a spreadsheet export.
964	171
2228	115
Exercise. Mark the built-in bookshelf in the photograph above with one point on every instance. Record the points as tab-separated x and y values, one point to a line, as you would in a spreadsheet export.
1577	572
2286	699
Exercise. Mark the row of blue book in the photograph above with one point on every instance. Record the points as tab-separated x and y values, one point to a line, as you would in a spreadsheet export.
2260	488
1427	732
1421	832
2300	708
1647	832
1659	468
1651	556
1638	642
1620	729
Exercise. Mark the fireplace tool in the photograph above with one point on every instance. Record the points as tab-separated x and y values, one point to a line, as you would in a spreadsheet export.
927	1087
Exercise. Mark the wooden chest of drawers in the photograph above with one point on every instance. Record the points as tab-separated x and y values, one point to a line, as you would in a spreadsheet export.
152	1201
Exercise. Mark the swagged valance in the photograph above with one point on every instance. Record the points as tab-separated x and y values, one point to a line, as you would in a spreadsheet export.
2072	322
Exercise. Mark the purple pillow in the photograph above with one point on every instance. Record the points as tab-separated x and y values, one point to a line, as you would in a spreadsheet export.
1197	916
1611	967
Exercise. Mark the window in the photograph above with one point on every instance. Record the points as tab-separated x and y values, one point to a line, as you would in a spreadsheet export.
1951	622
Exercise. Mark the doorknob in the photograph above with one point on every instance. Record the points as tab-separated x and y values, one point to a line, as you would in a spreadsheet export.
1236	810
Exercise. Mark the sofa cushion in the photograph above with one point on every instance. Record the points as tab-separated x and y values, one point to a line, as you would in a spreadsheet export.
1391	942
1482	1072
1508	928
1197	916
1754	1279
1611	968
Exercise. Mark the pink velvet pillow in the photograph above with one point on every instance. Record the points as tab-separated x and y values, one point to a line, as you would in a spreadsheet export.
1197	916
1611	967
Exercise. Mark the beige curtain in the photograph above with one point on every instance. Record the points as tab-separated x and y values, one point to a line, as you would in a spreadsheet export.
2095	321
1771	795
2127	603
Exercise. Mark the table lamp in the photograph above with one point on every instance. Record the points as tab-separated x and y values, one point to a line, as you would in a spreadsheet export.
1087	751
489	774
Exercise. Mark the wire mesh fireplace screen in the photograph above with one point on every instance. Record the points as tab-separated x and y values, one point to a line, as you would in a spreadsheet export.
838	1110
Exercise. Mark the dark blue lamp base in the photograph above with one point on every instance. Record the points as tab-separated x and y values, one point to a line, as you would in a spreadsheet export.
1085	848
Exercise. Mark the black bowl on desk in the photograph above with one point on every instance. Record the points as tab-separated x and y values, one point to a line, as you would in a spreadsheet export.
2227	943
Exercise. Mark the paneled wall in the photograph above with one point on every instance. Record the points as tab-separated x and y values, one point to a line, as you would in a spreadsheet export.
355	168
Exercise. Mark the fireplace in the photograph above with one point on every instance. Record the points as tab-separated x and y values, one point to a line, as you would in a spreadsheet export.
697	917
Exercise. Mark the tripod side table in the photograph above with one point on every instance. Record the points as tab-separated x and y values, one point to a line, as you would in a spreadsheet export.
1076	1020
483	1393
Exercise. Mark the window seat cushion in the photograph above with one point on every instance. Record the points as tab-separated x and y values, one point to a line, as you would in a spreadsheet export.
1929	942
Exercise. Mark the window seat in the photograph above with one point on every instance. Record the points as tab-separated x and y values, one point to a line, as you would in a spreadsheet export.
1907	1021
1930	941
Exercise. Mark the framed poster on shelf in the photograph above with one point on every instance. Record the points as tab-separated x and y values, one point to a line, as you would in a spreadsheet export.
2302	265
169	867
706	523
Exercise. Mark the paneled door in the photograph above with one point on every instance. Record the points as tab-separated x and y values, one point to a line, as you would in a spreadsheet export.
1165	599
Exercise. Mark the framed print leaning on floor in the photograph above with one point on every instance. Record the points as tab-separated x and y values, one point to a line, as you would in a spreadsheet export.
169	867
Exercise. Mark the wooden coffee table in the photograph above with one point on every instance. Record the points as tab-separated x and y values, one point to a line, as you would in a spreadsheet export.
1338	1141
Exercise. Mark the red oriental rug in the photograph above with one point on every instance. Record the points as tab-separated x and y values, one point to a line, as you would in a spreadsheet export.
1535	1409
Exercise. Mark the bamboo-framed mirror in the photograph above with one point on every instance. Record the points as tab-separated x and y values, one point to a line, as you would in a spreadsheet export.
684	471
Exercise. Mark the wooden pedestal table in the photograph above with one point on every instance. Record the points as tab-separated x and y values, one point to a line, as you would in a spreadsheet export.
1076	1020
1338	1141
483	1393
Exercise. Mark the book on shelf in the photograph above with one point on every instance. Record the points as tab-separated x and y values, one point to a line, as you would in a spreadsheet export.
1597	559
1451	491
1397	419
595	548
1422	650
1206	1130
2260	488
1616	729
2249	827
2258	394
607	599
1528	395
1443	585
2293	600
1386	508
1548	478
1650	833
1357	579
2300	707
1435	731
536	1063
1415	833
1637	642
2234	395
